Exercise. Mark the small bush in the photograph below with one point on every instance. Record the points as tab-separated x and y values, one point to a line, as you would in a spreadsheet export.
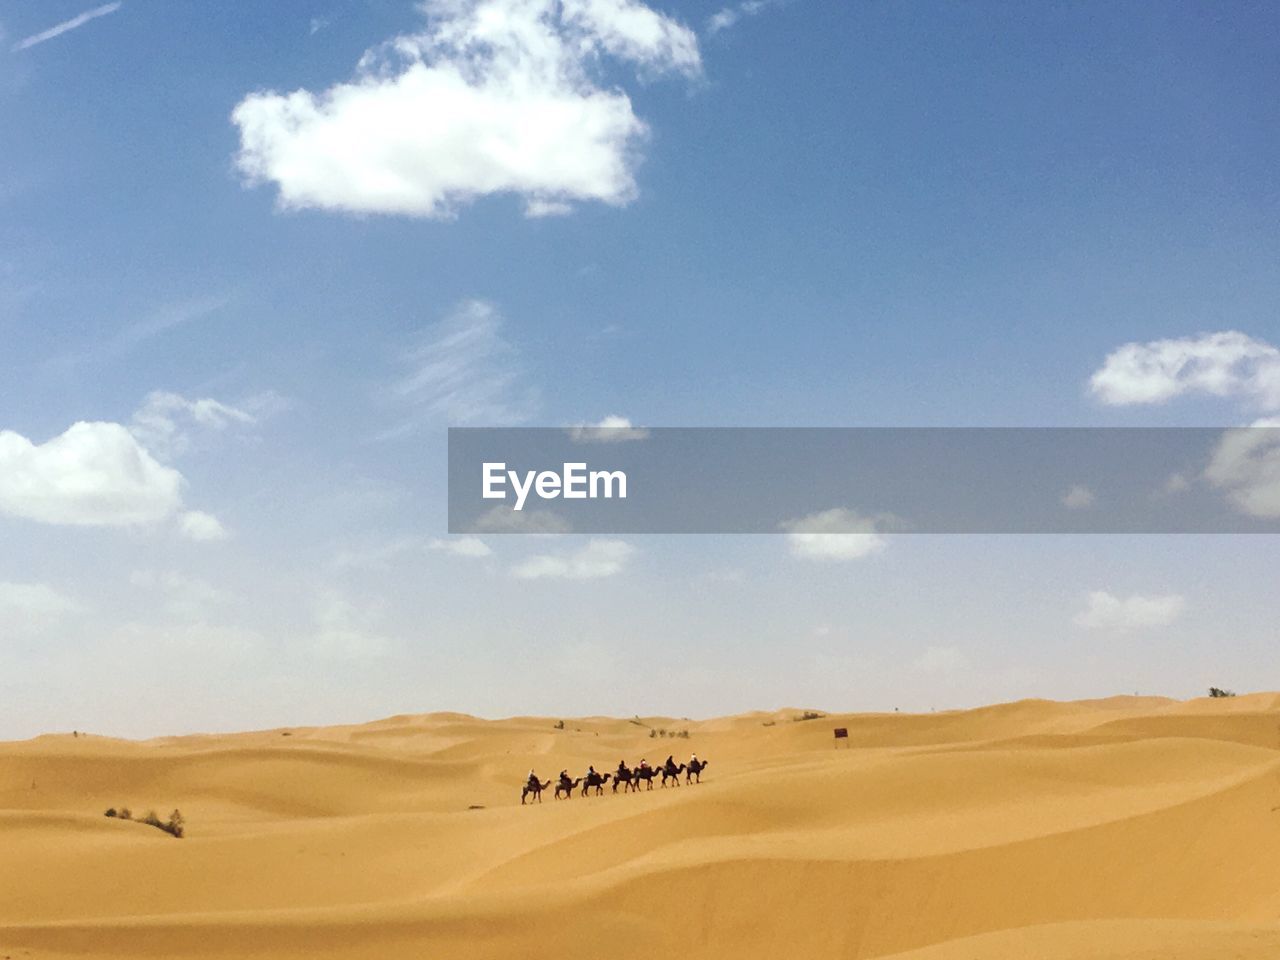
1218	692
653	734
559	724
808	715
175	825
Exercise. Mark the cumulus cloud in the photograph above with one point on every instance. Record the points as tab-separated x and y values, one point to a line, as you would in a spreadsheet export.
463	371
1078	497
164	422
1246	465
94	474
200	526
596	559
834	535
1226	364
612	429
1105	611
491	97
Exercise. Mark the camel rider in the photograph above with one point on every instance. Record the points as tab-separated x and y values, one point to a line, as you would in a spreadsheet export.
564	777
533	780
591	772
671	762
644	764
693	760
622	769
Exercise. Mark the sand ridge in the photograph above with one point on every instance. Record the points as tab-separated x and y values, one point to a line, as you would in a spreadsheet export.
1120	828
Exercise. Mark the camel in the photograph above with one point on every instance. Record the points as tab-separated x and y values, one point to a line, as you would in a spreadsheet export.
672	772
695	770
626	778
646	775
536	788
566	787
595	780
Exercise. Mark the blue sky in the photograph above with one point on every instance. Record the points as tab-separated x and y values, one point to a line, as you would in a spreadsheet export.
785	213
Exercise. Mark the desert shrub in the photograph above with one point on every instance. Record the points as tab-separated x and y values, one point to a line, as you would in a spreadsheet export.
111	812
174	825
683	734
768	723
1218	692
653	734
559	724
126	813
808	715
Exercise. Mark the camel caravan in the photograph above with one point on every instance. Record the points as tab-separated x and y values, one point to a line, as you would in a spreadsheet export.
629	778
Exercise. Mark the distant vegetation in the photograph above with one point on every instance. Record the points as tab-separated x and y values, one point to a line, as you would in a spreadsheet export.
559	724
809	715
656	732
1217	692
175	825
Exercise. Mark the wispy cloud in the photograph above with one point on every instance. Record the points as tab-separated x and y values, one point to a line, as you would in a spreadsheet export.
463	371
728	16
66	26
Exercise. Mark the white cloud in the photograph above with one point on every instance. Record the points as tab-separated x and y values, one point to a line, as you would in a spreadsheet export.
506	520
941	660
94	474
598	558
469	547
727	17
66	26
1078	498
492	97
834	535
200	526
163	422
1246	464
1227	364
30	607
1105	611
612	429
464	371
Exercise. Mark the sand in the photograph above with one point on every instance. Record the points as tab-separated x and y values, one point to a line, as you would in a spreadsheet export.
1123	828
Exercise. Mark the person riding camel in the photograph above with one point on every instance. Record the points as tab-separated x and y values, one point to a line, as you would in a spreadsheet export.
622	769
671	762
533	781
644	764
564	777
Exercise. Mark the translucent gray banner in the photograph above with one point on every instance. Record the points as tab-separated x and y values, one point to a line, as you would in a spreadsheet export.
864	480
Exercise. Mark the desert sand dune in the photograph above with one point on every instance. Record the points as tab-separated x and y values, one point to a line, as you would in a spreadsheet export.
1124	828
